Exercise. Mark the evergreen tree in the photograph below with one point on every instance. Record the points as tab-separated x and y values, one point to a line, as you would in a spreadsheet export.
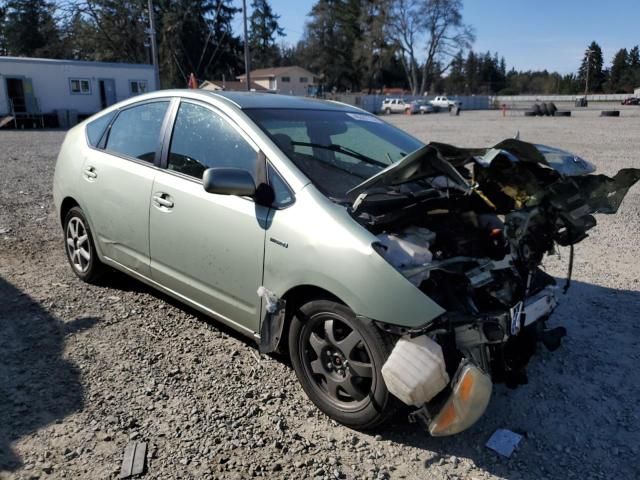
327	45
29	29
634	57
263	30
195	36
3	39
471	73
455	81
593	63
619	70
372	50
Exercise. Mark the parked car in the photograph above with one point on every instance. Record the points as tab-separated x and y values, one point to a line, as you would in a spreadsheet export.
315	228
394	105
631	101
422	107
443	103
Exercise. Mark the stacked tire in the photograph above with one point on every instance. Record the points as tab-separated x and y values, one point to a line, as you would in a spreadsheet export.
542	110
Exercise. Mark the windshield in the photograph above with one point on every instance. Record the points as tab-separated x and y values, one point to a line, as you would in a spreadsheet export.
336	150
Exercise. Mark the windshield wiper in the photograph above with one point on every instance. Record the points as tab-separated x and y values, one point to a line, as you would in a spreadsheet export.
345	150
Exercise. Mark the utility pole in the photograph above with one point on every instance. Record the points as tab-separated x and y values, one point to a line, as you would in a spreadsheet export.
586	83
247	62
154	45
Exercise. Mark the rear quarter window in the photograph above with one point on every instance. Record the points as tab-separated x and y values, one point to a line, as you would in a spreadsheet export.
97	127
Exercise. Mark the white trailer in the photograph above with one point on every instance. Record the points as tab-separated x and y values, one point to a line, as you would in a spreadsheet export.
32	87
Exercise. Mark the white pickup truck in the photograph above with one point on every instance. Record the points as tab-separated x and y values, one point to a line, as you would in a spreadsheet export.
443	102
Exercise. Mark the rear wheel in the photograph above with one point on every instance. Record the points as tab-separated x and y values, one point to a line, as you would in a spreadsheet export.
387	111
338	360
80	247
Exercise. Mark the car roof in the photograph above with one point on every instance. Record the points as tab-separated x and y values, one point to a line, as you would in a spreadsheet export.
254	100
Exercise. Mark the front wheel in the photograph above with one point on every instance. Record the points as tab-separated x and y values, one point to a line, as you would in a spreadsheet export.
338	360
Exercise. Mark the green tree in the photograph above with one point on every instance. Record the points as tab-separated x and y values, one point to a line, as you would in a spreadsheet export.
3	39
196	37
263	30
29	29
619	71
593	64
108	30
327	45
372	50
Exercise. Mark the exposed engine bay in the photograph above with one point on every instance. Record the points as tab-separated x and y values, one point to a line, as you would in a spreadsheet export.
470	228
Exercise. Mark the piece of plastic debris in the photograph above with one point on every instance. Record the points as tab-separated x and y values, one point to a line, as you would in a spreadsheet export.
415	371
271	300
135	456
504	442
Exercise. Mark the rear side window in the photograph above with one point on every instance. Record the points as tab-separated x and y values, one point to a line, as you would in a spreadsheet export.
136	131
203	139
96	128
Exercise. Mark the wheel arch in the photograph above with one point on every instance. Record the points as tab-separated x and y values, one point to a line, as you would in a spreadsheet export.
67	204
297	296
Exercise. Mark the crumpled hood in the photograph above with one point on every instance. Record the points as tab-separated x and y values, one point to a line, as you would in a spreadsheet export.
603	194
439	158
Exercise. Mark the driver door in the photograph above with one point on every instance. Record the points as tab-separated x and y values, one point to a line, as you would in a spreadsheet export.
208	248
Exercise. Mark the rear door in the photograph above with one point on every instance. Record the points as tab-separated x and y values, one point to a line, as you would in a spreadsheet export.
208	248
117	179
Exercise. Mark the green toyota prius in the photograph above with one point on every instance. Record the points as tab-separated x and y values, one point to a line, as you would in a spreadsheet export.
391	271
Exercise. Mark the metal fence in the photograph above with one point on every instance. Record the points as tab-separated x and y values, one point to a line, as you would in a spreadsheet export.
373	103
507	99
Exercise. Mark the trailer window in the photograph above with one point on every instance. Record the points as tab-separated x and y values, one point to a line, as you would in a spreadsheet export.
80	86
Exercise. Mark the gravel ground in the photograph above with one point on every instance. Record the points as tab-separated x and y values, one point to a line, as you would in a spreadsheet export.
85	369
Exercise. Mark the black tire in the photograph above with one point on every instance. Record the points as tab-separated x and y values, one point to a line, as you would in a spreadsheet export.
339	389
530	114
552	108
536	109
387	111
610	113
562	113
544	109
87	268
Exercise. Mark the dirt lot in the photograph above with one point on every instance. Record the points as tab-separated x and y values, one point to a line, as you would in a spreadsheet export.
85	369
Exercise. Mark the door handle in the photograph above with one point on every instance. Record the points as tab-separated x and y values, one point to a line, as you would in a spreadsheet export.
163	200
90	173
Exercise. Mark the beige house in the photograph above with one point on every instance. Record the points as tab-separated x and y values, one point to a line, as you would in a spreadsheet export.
230	86
292	80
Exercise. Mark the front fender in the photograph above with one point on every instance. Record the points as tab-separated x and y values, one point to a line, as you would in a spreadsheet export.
316	242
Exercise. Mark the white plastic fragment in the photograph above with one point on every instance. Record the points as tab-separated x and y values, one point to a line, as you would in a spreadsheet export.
270	299
504	442
415	371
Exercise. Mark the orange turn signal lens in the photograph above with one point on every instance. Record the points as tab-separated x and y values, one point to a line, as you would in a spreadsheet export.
471	391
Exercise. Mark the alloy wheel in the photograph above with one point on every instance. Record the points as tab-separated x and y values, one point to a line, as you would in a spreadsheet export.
78	245
338	361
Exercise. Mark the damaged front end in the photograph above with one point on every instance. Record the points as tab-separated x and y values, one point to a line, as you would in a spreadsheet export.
470	228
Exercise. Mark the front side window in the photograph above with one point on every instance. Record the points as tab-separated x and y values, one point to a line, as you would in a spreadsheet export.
80	86
286	79
136	131
203	139
337	150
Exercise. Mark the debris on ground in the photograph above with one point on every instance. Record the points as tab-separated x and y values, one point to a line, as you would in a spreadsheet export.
133	463
504	442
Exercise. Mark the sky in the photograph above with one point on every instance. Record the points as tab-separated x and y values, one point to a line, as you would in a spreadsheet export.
530	34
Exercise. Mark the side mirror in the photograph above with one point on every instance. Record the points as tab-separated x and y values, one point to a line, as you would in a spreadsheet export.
229	181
